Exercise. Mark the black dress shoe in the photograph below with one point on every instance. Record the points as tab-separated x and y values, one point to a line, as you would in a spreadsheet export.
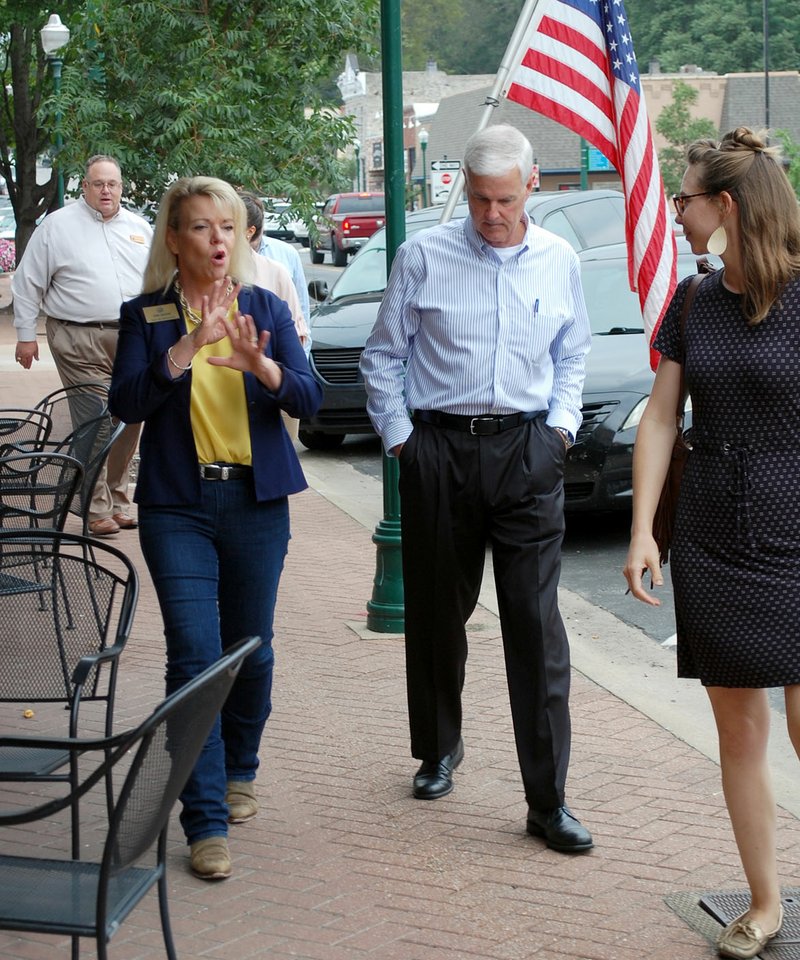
561	830
434	778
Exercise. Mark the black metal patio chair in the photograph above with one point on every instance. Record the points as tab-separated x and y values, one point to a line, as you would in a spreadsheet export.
18	425
66	612
37	490
91	899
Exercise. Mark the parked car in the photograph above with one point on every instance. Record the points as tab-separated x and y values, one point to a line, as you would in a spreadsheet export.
341	323
345	224
278	221
618	380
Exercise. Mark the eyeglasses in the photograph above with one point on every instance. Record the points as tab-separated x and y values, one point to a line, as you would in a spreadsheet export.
111	185
679	199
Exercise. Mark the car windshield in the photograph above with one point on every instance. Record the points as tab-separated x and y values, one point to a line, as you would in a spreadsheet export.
366	273
368	204
610	302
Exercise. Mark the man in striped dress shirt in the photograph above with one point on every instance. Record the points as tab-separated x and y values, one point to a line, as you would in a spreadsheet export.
483	336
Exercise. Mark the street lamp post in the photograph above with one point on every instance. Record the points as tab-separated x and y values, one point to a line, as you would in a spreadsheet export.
357	148
423	142
54	36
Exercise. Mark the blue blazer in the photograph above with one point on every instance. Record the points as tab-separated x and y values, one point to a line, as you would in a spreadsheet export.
143	391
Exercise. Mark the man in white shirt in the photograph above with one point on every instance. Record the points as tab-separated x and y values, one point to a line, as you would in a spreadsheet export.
80	264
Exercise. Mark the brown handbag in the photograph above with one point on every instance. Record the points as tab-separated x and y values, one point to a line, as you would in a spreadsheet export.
664	518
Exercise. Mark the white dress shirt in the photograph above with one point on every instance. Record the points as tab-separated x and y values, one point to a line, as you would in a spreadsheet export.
273	276
464	330
285	253
78	266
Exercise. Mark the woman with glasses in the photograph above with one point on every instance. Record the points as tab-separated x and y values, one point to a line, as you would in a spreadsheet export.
735	557
208	364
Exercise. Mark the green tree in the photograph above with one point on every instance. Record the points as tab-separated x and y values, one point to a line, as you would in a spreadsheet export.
228	88
720	36
679	128
26	116
791	156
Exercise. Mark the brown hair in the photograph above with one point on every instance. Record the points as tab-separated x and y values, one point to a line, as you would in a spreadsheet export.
769	217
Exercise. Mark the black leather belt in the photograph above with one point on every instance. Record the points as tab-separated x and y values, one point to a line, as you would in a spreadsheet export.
224	471
480	426
99	324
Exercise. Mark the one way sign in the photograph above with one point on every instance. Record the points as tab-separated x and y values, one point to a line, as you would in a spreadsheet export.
443	176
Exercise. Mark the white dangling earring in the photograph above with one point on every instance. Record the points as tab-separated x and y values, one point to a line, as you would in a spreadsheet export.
718	241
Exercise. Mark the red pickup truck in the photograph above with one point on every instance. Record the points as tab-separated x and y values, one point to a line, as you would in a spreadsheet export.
346	222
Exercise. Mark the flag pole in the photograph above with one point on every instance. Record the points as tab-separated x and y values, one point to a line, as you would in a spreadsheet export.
507	64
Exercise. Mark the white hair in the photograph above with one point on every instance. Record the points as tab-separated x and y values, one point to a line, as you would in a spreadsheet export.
496	150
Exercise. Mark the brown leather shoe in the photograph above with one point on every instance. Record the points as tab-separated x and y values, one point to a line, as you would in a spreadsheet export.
106	527
124	521
210	859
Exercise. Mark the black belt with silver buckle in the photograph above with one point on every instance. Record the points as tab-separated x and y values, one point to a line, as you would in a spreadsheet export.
224	471
480	426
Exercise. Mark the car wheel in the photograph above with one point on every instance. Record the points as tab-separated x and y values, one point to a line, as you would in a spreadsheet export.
317	256
339	256
315	440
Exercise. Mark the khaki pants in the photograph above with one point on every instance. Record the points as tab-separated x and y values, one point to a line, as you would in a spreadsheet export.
81	354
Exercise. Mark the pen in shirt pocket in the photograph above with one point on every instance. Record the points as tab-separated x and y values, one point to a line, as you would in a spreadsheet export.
536	308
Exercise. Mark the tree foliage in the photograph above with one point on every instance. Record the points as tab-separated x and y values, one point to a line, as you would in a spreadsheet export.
227	88
721	36
679	128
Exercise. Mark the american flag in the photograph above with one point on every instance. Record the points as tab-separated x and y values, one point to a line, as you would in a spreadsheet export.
579	69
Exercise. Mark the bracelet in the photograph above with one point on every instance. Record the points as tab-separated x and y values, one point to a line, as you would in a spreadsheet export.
175	363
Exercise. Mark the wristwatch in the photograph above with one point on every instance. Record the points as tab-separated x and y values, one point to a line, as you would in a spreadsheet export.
567	437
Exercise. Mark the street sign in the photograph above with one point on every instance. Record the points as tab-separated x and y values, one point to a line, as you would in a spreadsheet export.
446	165
443	176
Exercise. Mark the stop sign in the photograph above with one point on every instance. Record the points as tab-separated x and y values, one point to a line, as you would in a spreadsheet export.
446	178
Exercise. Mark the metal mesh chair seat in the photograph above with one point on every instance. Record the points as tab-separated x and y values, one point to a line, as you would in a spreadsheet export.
23	764
83	899
60	896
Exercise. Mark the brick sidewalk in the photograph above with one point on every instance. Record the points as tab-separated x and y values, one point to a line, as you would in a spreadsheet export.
343	864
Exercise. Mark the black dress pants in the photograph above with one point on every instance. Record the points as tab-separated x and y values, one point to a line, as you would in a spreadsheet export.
459	493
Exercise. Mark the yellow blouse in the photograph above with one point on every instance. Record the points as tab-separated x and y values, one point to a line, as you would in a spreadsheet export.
219	406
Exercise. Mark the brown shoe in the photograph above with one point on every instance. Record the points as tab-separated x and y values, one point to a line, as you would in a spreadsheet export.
103	528
124	521
241	800
210	859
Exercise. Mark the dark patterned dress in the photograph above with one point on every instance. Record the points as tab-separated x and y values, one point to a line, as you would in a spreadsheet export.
735	558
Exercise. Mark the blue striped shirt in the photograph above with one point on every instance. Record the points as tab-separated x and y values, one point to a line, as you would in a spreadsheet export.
463	331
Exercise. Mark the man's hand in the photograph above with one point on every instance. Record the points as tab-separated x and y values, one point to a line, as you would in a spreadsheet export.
27	351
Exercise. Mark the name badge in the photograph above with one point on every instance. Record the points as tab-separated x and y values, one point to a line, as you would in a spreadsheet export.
160	312
137	238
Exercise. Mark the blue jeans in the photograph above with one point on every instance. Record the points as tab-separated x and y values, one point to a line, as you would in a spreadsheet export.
216	567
